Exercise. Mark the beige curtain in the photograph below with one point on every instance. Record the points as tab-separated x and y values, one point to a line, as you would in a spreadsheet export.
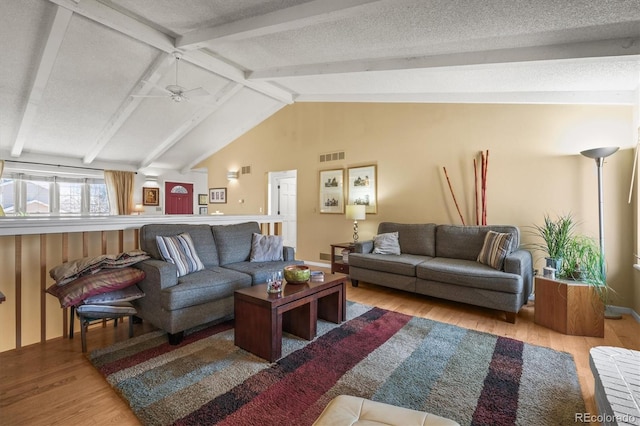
1	169
120	190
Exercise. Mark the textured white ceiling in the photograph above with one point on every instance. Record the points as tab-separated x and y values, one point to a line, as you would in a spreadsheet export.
70	68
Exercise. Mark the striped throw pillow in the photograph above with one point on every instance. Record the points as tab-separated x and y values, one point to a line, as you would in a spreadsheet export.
180	251
495	249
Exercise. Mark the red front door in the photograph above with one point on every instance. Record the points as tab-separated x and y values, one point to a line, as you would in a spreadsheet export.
178	198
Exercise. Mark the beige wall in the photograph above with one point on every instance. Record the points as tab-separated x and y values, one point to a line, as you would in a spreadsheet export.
534	168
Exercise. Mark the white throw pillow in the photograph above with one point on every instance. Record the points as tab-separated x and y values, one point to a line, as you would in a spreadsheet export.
386	243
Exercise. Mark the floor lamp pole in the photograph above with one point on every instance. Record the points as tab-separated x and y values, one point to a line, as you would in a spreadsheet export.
599	154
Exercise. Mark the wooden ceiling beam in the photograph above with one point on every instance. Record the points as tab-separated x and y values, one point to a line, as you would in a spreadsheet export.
291	18
47	61
622	47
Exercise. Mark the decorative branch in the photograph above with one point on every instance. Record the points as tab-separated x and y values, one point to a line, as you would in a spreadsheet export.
475	186
485	167
453	195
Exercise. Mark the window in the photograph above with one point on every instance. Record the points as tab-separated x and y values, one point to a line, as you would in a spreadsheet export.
22	194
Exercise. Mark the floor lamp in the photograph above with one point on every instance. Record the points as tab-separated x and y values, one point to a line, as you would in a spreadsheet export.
599	154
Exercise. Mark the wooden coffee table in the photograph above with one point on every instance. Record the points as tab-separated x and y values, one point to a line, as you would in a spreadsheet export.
260	317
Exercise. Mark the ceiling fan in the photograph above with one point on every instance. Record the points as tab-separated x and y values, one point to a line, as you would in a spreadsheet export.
176	92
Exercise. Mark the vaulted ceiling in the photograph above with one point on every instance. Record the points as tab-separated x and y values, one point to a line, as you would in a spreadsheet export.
91	82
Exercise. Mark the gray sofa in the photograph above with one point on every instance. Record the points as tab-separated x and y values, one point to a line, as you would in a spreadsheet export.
174	303
441	261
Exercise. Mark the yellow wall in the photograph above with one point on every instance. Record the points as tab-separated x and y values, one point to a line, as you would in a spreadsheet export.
534	168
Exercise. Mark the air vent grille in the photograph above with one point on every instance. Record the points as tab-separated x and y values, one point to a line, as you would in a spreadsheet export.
332	156
246	170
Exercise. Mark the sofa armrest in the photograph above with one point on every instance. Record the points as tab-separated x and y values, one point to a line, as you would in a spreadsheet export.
363	246
520	262
159	274
288	253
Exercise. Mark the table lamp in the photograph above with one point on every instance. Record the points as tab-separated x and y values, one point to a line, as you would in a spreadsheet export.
356	212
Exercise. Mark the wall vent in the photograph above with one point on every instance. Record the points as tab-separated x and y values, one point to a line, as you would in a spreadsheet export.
246	170
325	256
332	156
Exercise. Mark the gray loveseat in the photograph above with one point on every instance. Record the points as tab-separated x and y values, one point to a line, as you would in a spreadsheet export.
174	303
441	261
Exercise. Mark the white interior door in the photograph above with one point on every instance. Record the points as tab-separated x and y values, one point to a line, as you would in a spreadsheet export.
284	203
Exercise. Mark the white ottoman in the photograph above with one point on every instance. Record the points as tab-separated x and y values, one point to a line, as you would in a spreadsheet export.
352	410
616	373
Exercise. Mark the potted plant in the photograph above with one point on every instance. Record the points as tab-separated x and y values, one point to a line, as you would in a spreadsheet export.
556	235
582	261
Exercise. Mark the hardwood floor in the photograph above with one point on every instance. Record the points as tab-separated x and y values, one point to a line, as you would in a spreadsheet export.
53	383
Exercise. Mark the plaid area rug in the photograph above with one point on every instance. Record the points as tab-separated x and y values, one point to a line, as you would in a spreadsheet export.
470	377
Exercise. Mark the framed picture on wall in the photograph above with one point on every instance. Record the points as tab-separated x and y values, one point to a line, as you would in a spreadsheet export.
202	199
203	210
218	195
362	187
150	196
331	191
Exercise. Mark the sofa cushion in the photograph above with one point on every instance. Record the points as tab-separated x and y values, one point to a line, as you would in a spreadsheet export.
386	243
403	264
259	271
469	273
202	287
200	235
266	248
414	238
234	241
180	251
495	248
465	242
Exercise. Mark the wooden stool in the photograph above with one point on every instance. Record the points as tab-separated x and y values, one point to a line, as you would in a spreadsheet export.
88	313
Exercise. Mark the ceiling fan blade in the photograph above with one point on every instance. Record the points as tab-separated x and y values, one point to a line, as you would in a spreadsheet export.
149	96
163	89
198	91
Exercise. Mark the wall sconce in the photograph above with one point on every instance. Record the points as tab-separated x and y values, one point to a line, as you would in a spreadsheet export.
138	209
231	175
356	212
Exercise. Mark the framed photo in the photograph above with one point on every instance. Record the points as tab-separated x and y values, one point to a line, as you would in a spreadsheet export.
332	191
218	195
202	199
203	210
150	196
362	187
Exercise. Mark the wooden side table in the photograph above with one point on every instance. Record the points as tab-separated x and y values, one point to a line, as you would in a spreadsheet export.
569	307
337	265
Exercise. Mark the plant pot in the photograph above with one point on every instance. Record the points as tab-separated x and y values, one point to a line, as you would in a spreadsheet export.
554	263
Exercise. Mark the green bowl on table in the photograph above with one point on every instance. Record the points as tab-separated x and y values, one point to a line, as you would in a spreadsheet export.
297	274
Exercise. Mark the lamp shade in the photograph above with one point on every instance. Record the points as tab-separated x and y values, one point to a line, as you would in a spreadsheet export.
356	212
600	152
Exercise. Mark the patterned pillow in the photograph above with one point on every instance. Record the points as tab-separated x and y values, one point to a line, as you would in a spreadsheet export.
180	251
495	249
266	248
76	291
386	243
